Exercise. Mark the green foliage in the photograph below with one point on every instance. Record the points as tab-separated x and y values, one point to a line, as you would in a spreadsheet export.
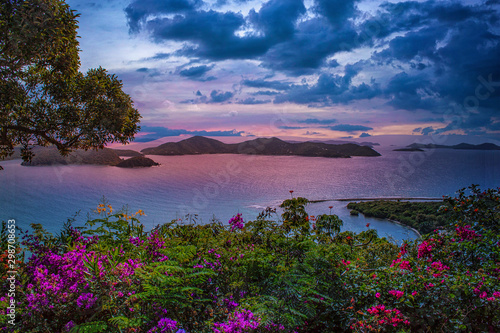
423	216
44	99
295	218
328	226
129	280
93	327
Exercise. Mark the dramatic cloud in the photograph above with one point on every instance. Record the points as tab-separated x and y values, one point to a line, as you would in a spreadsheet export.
317	121
349	128
291	127
427	130
260	83
427	64
154	133
218	96
253	101
139	10
330	89
195	72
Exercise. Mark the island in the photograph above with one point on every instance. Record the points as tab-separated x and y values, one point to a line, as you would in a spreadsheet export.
463	146
408	149
137	162
127	152
51	156
199	145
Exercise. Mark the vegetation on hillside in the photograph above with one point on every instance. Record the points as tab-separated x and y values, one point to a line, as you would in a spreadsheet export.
299	275
422	216
260	146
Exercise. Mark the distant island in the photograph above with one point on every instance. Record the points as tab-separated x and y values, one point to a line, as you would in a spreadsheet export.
127	152
51	156
464	146
408	149
198	145
137	162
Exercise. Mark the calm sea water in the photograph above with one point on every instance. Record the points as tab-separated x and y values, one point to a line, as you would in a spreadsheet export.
223	185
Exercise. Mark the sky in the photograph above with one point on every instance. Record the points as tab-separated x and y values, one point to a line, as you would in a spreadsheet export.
315	69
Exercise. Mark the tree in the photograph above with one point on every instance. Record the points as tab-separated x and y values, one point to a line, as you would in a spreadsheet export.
44	99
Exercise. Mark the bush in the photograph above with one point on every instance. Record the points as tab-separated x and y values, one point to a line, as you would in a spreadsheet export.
302	275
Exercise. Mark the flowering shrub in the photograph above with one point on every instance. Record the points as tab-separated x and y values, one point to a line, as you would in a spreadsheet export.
236	222
238	322
382	319
261	276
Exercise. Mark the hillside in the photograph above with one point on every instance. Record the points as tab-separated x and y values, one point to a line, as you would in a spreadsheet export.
261	146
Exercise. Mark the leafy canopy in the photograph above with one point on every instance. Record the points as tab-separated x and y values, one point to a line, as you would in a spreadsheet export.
44	99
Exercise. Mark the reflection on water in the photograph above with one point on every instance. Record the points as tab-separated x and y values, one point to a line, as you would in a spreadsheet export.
223	185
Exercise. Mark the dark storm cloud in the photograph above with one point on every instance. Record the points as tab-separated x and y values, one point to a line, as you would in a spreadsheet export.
139	10
221	3
195	72
291	127
364	135
430	54
420	43
218	96
211	34
314	41
427	130
154	133
265	93
160	56
260	83
349	128
253	101
336	11
317	121
488	120
330	89
407	92
468	50
276	18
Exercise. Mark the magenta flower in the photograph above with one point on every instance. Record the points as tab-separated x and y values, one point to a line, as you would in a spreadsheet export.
396	293
238	322
236	222
69	325
86	300
424	250
465	233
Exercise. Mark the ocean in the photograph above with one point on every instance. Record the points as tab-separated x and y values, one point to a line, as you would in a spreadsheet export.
204	187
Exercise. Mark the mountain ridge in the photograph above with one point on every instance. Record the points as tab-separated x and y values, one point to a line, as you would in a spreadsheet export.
199	145
462	146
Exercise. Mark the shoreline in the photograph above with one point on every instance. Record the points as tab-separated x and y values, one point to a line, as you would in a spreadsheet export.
379	198
404	225
419	235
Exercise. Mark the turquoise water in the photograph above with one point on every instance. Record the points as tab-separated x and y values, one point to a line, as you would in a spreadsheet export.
223	185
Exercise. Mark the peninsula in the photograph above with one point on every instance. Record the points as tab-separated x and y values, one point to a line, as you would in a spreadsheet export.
199	145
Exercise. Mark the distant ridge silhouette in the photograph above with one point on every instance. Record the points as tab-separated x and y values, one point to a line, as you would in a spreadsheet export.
199	145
